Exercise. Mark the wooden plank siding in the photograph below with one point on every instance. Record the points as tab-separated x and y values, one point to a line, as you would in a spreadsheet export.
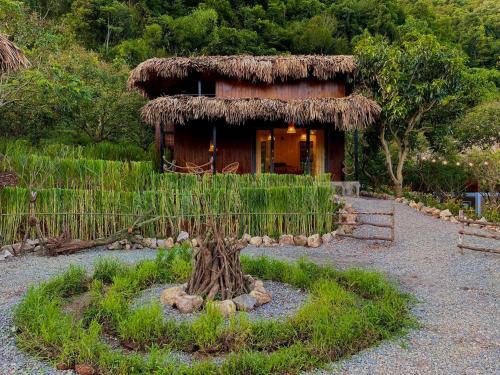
284	90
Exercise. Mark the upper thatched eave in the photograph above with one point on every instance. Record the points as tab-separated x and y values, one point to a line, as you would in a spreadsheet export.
264	69
11	57
347	113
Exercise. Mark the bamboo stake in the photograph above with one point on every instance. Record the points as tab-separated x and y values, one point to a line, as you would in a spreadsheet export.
393	224
482	223
374	238
365	223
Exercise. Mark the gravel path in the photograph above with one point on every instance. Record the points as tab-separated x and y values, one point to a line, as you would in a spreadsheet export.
285	302
458	294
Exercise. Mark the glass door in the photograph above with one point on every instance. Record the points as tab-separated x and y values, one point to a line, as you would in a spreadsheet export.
288	154
263	151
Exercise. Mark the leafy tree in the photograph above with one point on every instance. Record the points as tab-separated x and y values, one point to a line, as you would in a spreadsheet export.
409	78
194	32
480	127
315	35
74	92
104	23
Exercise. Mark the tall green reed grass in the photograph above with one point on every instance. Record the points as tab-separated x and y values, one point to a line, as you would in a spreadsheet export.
91	214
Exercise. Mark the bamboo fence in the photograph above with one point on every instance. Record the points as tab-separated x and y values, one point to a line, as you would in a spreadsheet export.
91	214
390	225
462	233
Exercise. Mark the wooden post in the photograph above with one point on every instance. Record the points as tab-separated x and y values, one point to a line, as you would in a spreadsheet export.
308	150
170	140
272	151
356	155
214	154
460	232
393	222
160	145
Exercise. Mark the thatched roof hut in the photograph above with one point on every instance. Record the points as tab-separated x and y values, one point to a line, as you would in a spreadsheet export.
281	114
256	69
11	57
347	113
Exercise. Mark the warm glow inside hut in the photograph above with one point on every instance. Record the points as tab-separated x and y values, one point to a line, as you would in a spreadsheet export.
264	114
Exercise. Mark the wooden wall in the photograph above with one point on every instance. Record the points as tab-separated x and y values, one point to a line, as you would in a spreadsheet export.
335	150
234	143
302	89
237	144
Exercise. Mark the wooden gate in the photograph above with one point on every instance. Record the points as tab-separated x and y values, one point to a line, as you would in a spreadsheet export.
389	214
462	233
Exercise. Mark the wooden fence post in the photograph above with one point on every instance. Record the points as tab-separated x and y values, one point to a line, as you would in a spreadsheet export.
393	222
460	232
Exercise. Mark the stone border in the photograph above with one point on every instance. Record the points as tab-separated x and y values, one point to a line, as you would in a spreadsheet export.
445	215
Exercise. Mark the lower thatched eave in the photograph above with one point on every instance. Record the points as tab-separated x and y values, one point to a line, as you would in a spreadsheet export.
347	113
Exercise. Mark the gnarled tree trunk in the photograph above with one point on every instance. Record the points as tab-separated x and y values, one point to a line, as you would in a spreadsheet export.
217	270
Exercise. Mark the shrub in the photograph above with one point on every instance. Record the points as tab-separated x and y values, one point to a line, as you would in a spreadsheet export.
208	328
69	283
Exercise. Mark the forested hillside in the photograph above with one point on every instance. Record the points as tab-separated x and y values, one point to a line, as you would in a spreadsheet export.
81	52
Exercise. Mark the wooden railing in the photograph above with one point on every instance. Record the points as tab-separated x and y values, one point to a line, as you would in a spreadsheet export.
462	233
390	225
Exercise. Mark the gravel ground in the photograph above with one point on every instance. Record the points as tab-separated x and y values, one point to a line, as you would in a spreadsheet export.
286	301
458	294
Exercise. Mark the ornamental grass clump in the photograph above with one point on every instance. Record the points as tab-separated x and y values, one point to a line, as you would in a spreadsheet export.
346	311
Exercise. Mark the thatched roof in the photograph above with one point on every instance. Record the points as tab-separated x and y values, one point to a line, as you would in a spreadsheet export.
265	69
11	57
354	111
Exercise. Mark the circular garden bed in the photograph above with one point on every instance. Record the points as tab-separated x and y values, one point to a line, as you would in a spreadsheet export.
95	325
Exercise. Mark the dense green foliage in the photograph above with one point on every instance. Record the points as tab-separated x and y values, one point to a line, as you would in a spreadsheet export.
79	96
346	312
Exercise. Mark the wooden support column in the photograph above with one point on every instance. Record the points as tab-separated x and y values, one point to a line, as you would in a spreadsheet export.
328	134
272	152
356	155
214	154
170	139
160	145
308	150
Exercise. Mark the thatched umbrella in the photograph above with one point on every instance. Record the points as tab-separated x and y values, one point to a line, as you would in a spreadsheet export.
11	57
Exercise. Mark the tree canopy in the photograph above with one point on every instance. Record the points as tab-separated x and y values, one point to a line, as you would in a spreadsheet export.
430	60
